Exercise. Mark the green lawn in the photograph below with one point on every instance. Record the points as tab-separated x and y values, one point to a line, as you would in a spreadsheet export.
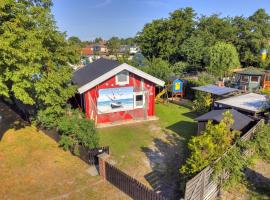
32	166
128	142
177	119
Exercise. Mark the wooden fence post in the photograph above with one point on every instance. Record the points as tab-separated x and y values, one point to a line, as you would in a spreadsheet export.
102	162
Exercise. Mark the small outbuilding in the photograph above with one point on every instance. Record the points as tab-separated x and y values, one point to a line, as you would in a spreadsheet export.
241	122
111	92
251	103
250	79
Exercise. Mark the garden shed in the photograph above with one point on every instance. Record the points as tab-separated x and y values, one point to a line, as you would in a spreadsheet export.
241	122
250	78
250	103
111	92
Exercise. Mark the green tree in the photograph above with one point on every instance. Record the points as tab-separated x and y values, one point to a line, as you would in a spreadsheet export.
163	38
114	46
210	144
34	57
158	68
221	59
97	40
253	34
179	68
74	40
193	49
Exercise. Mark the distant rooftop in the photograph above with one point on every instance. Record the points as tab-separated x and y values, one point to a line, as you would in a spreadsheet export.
252	71
251	102
213	89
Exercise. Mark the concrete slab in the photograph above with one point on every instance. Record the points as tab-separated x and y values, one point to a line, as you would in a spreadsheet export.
92	170
124	122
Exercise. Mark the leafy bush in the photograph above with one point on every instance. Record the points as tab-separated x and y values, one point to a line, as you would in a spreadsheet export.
233	163
76	130
202	102
262	143
210	145
180	67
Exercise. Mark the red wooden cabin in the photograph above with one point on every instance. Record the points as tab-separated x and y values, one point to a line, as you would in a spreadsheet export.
112	92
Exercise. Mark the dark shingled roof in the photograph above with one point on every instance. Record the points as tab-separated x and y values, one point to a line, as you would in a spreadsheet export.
93	70
240	120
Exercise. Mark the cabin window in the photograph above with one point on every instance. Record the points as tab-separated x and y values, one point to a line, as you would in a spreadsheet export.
122	78
244	78
139	100
255	79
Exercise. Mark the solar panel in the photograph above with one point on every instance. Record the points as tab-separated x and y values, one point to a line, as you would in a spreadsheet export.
213	89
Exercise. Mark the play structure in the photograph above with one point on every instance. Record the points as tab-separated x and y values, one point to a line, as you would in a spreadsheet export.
174	88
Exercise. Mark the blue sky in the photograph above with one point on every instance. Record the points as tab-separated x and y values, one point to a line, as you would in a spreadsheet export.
88	19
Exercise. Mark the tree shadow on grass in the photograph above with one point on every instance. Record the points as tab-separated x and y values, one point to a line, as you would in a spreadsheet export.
184	129
165	158
9	120
257	183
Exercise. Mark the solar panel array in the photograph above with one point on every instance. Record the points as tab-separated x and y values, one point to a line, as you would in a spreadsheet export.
213	89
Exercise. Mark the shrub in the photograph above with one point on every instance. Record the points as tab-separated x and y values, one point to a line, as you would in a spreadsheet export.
76	130
235	161
210	145
179	68
202	103
262	141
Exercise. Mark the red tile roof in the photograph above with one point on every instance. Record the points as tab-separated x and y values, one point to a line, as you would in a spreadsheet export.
87	51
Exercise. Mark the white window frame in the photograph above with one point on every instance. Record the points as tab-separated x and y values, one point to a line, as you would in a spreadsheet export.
255	81
136	94
117	82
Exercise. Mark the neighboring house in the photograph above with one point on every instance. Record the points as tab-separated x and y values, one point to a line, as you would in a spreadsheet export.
241	122
127	48
112	92
252	79
100	48
133	50
88	52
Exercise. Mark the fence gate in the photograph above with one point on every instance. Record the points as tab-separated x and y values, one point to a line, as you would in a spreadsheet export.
93	153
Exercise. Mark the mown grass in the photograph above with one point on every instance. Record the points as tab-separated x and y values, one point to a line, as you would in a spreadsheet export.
178	119
32	166
128	141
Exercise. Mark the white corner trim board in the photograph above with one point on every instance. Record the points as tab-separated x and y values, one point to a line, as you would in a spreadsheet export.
115	71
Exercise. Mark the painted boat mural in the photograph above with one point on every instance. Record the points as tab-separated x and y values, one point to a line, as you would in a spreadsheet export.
115	99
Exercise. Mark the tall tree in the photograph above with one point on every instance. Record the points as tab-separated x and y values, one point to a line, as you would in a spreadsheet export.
162	38
222	58
158	68
75	40
114	45
253	34
34	56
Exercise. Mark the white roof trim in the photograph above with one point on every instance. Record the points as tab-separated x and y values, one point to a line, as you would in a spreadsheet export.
115	71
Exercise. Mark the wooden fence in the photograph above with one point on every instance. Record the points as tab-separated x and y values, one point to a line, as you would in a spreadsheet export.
202	187
93	153
90	155
129	185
